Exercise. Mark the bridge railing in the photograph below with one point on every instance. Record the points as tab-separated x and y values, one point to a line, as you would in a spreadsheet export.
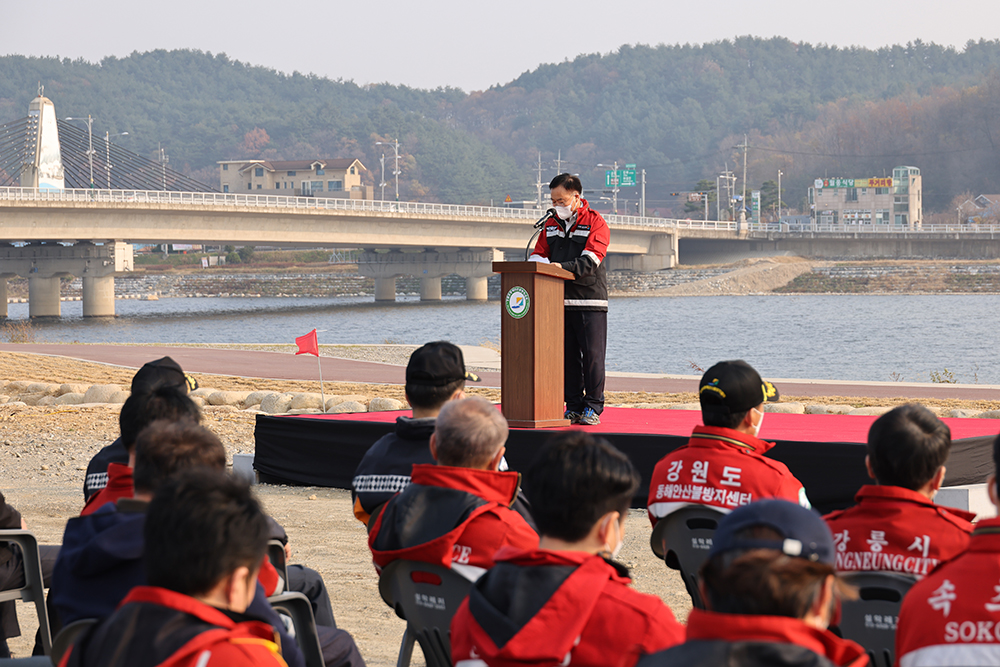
765	228
328	203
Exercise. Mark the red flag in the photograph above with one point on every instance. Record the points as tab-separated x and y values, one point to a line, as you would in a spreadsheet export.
308	344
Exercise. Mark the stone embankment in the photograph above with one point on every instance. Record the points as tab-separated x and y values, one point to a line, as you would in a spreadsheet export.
897	277
24	393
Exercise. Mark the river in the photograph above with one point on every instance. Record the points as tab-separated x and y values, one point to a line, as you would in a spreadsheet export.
880	338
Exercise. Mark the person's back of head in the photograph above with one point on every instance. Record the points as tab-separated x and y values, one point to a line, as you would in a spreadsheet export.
166	448
907	446
729	390
166	402
773	558
203	526
435	374
162	372
469	433
575	480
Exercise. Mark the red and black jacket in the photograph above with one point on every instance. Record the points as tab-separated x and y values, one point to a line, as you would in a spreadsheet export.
579	245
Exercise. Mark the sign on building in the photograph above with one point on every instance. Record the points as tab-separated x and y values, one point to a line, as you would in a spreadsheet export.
853	183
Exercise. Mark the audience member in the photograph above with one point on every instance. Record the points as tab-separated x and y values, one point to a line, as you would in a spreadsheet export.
435	375
153	374
771	591
723	464
456	513
896	526
952	616
166	402
566	601
206	536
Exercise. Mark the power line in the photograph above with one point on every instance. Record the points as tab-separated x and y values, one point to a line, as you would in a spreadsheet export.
883	155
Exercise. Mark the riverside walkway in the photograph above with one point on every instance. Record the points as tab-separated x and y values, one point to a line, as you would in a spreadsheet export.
285	366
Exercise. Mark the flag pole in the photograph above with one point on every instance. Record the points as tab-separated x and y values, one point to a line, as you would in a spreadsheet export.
319	362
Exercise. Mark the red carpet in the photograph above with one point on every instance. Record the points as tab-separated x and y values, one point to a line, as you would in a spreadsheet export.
802	428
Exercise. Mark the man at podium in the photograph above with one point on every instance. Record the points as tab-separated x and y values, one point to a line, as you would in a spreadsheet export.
576	238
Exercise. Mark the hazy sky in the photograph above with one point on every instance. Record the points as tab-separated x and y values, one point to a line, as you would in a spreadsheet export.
470	45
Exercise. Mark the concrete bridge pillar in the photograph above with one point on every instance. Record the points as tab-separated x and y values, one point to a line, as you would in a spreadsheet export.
430	289
385	289
98	296
43	297
3	298
476	288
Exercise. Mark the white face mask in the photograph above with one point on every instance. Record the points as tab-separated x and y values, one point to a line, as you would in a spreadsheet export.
756	428
564	212
621	542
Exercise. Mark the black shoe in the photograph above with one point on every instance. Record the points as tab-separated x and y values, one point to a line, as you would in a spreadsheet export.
573	417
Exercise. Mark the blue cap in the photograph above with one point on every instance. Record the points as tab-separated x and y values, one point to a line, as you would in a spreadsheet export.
804	533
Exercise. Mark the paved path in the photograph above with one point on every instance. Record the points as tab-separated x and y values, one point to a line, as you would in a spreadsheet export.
286	366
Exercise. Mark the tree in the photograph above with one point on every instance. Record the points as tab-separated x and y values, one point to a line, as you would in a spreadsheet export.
696	198
246	254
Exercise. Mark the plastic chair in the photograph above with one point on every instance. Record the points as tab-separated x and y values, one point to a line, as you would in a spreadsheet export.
871	619
297	607
66	637
426	597
276	554
682	539
34	588
33	661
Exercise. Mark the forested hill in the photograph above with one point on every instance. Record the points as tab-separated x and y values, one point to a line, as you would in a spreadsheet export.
675	110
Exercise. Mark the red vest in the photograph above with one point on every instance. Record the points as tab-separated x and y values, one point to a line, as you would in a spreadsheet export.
467	546
592	618
897	530
952	616
722	468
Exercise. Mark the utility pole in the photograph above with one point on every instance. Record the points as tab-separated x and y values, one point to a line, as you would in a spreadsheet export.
779	195
396	172
705	196
642	196
382	171
559	162
538	183
718	199
743	203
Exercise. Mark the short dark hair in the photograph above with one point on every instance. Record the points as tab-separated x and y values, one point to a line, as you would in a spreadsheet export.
907	446
200	527
723	420
162	402
427	397
766	582
576	479
567	181
165	448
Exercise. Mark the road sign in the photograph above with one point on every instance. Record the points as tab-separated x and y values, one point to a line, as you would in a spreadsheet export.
508	200
755	206
625	178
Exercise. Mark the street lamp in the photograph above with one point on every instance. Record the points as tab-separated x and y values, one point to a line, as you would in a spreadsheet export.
779	195
614	182
90	141
395	146
107	153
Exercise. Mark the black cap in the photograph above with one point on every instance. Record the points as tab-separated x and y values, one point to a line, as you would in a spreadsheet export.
160	373
731	387
804	533
437	364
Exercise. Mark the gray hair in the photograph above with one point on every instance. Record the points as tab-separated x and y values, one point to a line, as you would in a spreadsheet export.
469	433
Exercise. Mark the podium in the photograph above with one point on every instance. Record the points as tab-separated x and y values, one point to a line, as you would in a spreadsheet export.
531	343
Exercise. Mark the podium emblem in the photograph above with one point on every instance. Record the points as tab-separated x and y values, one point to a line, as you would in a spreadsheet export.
517	302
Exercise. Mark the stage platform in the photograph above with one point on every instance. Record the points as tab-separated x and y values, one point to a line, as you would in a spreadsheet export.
826	452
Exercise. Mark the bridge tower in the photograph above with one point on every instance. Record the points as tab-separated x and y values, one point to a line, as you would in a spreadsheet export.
45	172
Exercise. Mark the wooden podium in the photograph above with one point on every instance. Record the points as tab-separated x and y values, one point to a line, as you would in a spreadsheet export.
531	343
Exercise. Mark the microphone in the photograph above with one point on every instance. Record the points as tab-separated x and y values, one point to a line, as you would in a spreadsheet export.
548	214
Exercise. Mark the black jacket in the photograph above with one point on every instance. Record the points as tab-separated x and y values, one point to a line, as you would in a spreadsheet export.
579	245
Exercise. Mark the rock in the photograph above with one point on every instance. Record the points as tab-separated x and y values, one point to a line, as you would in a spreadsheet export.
790	408
198	400
304	411
312	497
30	399
363	400
46	388
306	401
100	393
385	405
119	397
16	387
203	392
227	398
275	403
254	398
877	411
989	414
346	407
963	414
335	400
684	406
72	389
16	404
832	409
72	398
46	400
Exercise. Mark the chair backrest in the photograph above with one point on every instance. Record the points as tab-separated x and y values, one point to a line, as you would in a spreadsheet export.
682	539
34	588
67	637
297	607
871	619
426	596
33	661
276	554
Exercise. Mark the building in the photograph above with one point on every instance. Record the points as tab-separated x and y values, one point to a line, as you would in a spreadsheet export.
869	201
340	178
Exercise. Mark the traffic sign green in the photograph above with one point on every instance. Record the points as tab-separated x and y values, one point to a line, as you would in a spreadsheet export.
625	178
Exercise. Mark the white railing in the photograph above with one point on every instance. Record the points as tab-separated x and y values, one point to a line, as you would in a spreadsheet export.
793	228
